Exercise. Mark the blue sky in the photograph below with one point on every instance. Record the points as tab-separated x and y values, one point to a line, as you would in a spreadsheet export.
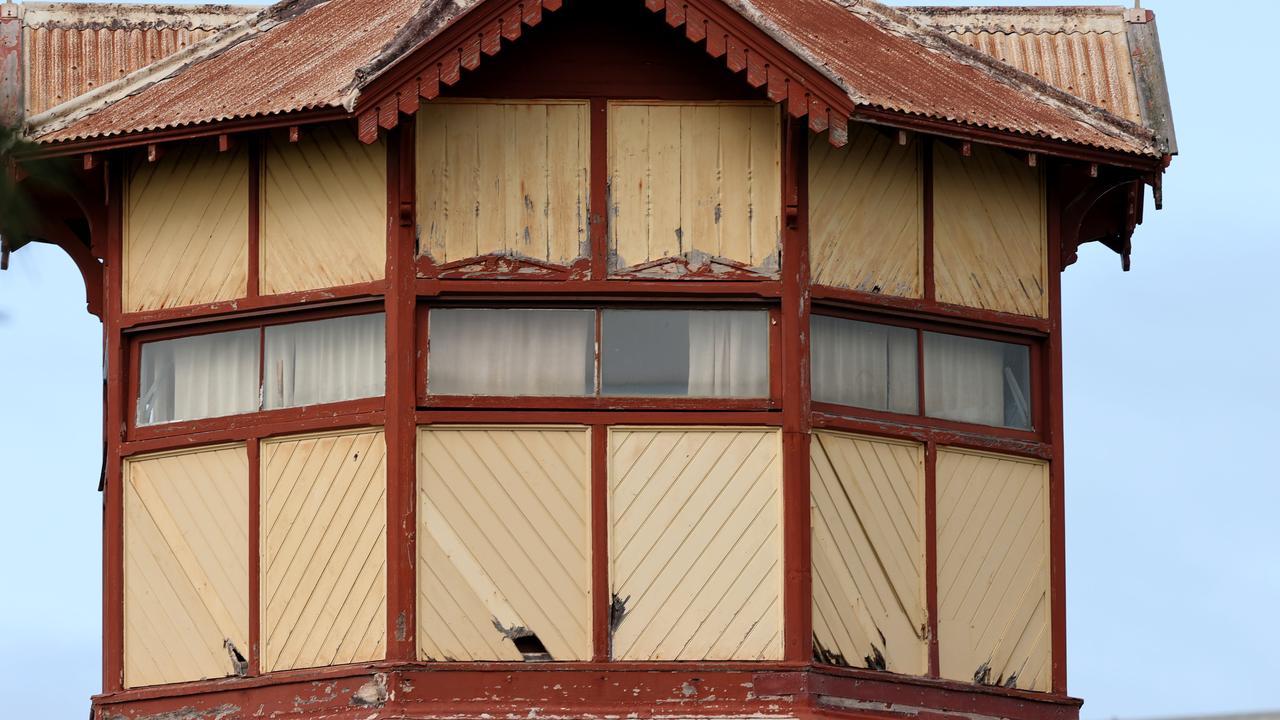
1171	381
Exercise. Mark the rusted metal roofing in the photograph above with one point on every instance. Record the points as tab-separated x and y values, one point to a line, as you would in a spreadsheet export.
1099	54
72	48
308	54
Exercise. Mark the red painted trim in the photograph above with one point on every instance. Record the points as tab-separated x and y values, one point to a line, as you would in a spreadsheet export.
1053	407
252	448
249	307
401	430
797	602
294	421
925	309
937	698
931	553
114	407
255	216
905	427
601	593
599	417
614	289
927	269
599	180
605	403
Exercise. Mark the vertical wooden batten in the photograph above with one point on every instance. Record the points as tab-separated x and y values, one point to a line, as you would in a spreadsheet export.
1052	409
114	408
797	560
401	396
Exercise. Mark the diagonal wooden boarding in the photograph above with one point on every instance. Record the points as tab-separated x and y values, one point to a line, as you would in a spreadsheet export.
698	181
990	231
868	535
695	543
186	228
866	214
504	178
186	565
504	539
993	569
324	589
324	210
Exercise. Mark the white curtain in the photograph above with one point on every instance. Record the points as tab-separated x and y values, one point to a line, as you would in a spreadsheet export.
864	364
325	361
728	354
511	352
199	377
964	379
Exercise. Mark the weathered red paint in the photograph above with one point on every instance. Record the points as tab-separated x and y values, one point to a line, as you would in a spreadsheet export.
1055	428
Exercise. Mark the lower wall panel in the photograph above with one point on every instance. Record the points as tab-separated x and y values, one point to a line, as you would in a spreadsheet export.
324	520
696	543
993	569
186	571
504	540
867	509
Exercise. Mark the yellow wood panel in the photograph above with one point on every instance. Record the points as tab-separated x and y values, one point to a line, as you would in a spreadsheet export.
993	569
696	543
867	510
324	590
324	210
866	218
989	232
504	541
698	181
504	177
186	228
186	565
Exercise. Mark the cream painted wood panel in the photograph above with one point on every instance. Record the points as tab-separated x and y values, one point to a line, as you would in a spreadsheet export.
504	541
699	181
186	565
324	521
695	540
324	210
989	231
868	552
504	177
866	214
993	569
186	228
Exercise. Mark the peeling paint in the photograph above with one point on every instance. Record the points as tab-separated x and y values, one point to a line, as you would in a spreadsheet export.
372	694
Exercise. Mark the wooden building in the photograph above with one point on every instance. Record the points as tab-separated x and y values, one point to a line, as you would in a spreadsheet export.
506	358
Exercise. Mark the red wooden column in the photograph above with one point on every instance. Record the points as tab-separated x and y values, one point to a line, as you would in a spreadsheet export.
401	402
113	423
797	601
1057	499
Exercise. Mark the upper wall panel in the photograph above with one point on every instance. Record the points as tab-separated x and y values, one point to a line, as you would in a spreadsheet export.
504	178
866	219
324	210
694	185
990	231
186	228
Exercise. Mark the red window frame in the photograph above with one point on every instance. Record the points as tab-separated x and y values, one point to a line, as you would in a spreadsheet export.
1033	340
597	401
238	425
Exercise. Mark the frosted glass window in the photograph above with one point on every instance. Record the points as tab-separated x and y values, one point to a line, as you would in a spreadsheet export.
864	364
693	353
198	377
484	351
325	361
977	381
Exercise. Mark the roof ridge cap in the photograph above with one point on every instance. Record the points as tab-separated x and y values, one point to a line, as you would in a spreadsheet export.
83	106
1075	108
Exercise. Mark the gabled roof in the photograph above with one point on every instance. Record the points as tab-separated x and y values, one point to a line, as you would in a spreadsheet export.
324	54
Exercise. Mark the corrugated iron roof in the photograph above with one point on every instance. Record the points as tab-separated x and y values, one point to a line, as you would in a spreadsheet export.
1093	53
71	48
307	54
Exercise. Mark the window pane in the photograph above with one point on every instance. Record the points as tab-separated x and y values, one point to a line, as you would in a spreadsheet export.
511	352
198	377
325	361
694	353
977	381
864	365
